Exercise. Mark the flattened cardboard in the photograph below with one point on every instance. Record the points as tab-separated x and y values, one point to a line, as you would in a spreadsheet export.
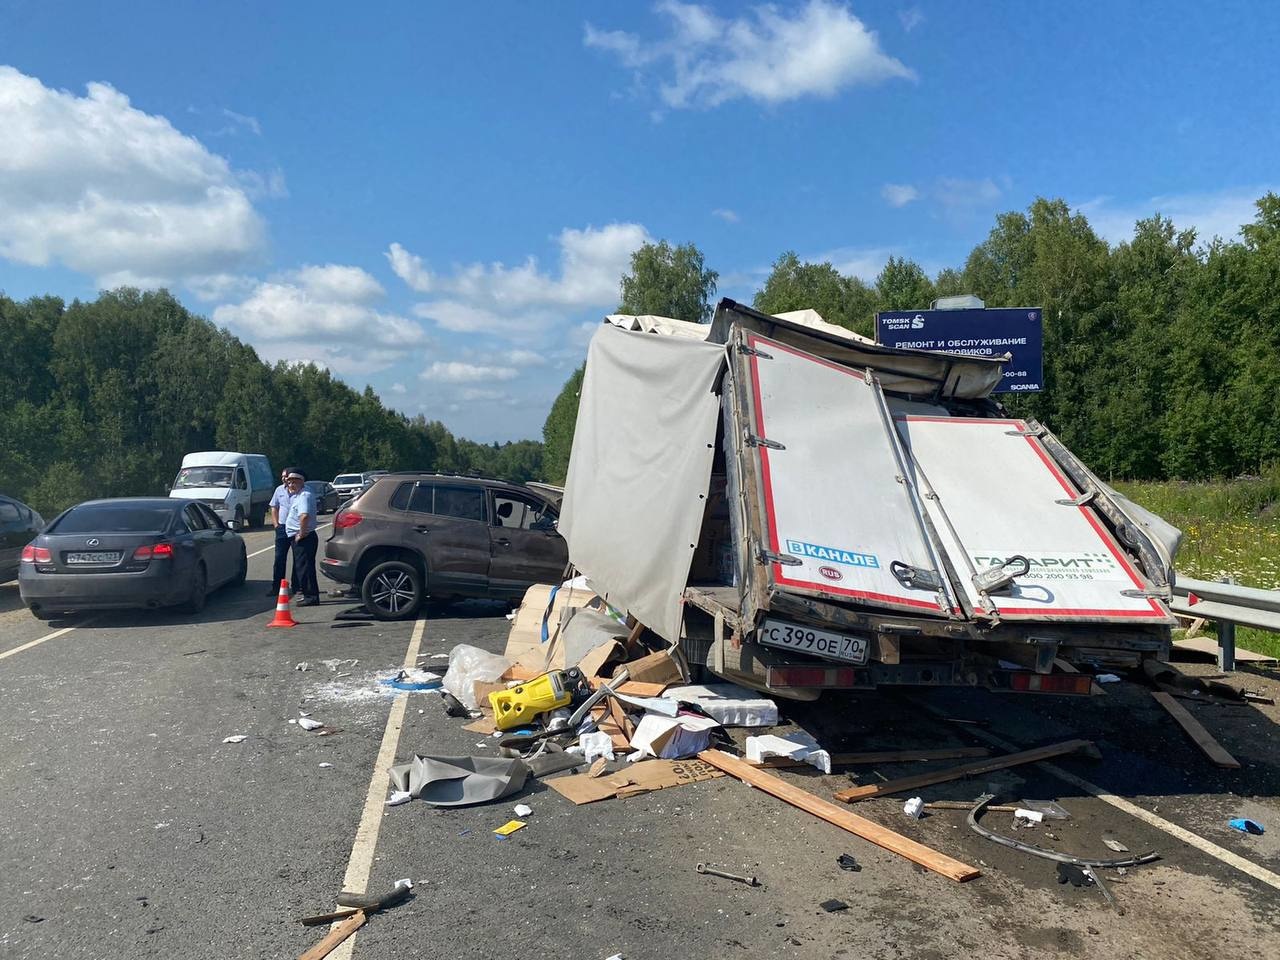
637	778
524	643
660	667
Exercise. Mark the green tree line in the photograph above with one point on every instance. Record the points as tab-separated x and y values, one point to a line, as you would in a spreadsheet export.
102	399
1161	355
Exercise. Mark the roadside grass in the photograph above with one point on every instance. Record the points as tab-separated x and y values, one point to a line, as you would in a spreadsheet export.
1231	528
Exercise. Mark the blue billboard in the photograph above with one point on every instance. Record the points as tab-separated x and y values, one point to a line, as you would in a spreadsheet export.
980	333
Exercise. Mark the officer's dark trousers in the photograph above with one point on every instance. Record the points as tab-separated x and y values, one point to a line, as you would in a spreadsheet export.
283	543
304	566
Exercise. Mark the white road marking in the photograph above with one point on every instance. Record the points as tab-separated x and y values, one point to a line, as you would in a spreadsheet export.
85	623
273	542
36	643
1186	836
361	862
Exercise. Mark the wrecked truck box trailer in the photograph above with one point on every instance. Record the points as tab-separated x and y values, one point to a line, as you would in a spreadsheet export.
762	498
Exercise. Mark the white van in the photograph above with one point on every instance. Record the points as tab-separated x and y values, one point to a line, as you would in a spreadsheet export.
237	486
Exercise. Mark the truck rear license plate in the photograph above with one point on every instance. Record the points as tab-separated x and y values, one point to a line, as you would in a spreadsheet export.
820	643
100	557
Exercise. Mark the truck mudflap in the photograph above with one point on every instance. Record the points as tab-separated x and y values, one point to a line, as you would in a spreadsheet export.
961	519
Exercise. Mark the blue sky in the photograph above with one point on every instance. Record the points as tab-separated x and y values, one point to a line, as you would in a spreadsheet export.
439	199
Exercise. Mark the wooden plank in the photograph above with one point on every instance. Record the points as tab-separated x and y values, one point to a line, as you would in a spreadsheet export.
964	770
882	756
340	932
859	826
1210	747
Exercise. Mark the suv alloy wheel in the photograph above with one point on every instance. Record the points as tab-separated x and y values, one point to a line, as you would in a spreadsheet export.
392	590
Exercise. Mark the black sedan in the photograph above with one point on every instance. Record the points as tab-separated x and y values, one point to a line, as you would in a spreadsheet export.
18	524
327	500
130	553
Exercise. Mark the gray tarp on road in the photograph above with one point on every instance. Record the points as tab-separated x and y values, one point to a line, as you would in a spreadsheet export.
640	469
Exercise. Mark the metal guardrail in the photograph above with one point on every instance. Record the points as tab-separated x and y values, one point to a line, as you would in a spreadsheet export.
1227	604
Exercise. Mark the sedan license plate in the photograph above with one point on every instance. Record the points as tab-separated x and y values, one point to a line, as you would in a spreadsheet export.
820	643
99	557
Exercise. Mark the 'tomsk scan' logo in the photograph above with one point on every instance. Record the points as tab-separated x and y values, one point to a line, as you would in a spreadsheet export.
813	551
903	323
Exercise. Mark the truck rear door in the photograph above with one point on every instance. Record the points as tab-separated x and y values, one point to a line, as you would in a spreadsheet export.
842	519
992	492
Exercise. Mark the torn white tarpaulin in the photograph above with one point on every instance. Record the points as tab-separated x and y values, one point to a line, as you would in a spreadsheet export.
648	410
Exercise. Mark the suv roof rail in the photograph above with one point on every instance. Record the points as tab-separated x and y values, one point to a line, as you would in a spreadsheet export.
480	478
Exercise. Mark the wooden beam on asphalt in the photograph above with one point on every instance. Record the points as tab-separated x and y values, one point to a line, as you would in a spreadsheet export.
859	826
881	756
964	770
1210	747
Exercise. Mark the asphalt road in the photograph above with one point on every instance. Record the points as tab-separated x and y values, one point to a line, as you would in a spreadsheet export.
132	830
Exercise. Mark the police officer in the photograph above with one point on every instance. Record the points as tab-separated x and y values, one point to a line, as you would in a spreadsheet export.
280	501
300	525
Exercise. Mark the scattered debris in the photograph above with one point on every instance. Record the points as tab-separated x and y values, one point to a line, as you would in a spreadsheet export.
303	666
1028	817
398	797
793	746
306	723
1115	845
596	746
966	770
523	810
914	808
413	678
598	768
334	664
831	906
459	781
1245	825
1107	678
979	807
1069	873
33	918
325	765
841	817
1210	747
729	704
508	828
467	665
453	707
236	738
712	871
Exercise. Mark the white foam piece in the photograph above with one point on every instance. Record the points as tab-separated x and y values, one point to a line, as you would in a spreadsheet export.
728	703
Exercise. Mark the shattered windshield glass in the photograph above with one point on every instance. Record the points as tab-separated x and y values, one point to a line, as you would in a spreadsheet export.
203	477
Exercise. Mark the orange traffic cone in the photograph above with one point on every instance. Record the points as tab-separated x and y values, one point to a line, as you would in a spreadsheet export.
284	618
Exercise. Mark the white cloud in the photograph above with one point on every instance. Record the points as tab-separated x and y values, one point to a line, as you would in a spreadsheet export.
525	358
899	194
862	262
340	283
398	389
956	194
1212	214
521	299
409	268
728	216
481	394
911	18
240	121
329	309
105	189
453	371
766	56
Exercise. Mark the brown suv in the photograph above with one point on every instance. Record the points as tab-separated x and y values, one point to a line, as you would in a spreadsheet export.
414	535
